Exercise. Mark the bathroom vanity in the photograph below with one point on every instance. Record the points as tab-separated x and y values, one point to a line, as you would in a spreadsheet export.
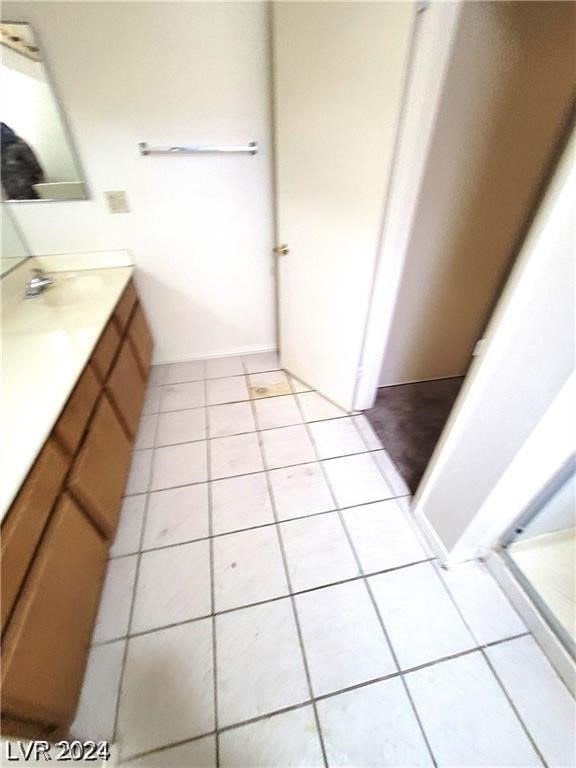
76	361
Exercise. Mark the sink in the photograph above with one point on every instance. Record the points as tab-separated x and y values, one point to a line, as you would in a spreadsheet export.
70	289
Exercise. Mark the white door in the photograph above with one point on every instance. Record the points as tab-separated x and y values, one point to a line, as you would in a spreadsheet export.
339	72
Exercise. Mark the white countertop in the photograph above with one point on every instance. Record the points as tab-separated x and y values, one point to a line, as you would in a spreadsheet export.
46	342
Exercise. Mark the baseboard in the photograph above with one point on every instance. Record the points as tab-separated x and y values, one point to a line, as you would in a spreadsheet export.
236	352
432	538
550	644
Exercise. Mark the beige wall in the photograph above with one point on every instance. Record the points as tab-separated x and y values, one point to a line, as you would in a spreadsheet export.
199	228
506	96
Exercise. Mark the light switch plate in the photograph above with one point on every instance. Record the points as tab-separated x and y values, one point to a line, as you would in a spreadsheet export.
117	201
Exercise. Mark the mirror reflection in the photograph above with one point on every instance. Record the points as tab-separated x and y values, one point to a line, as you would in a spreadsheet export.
38	159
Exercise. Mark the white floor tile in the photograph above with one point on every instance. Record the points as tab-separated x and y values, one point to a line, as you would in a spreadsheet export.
237	455
178	373
382	535
286	446
129	530
240	502
392	475
298	386
260	667
484	606
466	716
157	375
146	431
274	412
317	551
167	692
152	400
173	586
371	727
288	740
179	397
176	515
116	600
139	474
540	697
230	419
179	465
343	638
261	361
315	407
356	480
300	491
336	437
370	438
181	427
421	621
220	367
268	384
248	568
96	713
200	753
230	390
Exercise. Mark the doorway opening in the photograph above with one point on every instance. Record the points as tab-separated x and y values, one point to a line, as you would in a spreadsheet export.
502	119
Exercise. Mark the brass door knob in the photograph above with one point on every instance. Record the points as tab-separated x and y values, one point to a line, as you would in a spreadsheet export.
282	250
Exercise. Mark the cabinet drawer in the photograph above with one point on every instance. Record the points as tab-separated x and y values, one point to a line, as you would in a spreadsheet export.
124	307
141	339
105	351
126	387
45	647
77	411
99	473
26	519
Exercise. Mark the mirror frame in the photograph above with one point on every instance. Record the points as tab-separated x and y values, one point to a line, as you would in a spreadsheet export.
65	126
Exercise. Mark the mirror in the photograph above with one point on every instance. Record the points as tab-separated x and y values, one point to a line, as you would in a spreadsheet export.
14	249
38	158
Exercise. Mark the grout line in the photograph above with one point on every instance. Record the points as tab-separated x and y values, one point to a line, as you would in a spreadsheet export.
212	576
320	697
134	589
289	585
482	648
284	466
369	590
255	528
275	599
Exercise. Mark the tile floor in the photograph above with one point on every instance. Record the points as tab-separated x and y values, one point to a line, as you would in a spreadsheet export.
270	602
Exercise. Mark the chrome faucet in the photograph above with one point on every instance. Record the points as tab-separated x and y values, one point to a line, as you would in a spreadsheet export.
37	283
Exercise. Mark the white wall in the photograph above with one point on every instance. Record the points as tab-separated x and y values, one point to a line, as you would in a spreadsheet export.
528	357
29	107
200	228
506	95
14	250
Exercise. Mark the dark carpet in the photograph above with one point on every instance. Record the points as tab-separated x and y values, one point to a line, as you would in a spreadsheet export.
409	419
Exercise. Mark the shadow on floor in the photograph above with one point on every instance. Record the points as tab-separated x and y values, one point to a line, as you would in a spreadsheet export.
409	418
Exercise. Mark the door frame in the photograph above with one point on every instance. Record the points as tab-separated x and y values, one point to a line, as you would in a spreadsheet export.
436	26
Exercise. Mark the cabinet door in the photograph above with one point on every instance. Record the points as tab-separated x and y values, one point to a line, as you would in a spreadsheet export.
77	411
26	519
141	339
105	351
46	644
126	388
98	477
124	307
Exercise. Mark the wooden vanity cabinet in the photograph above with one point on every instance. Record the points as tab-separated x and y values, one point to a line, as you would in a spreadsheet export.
55	536
141	340
46	645
73	420
126	388
25	522
98	477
